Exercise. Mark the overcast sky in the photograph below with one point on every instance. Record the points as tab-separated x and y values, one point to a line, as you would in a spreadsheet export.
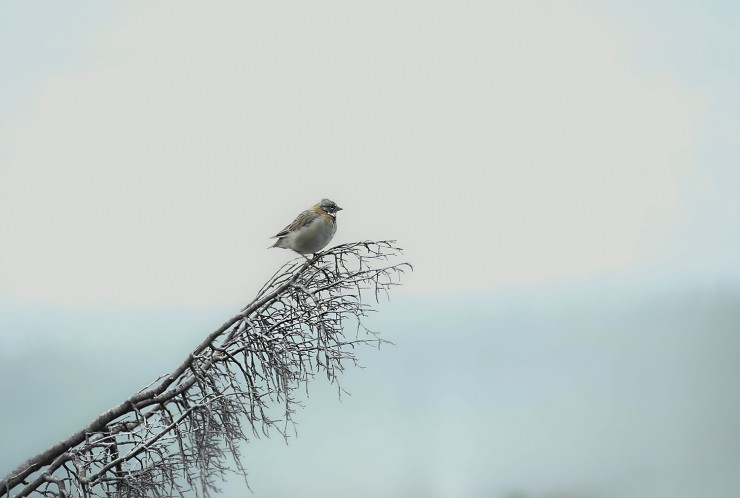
525	142
149	151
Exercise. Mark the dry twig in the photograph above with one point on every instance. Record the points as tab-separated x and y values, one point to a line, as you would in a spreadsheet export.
182	434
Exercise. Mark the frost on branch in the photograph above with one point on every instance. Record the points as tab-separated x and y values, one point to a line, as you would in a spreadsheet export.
181	435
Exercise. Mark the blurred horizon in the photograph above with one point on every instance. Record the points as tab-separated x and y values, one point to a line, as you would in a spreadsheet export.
580	391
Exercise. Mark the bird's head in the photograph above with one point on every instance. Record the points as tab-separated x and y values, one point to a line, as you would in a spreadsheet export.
329	206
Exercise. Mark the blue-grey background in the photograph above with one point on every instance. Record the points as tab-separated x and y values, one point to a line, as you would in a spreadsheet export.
562	175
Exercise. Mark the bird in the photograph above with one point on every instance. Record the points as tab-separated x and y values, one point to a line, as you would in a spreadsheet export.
311	230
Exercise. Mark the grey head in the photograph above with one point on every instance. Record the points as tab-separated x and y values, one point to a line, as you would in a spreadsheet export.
329	206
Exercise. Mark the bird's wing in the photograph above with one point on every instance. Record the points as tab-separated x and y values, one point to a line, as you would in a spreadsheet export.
303	219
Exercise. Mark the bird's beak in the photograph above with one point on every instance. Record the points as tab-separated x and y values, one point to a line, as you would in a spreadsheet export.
338	208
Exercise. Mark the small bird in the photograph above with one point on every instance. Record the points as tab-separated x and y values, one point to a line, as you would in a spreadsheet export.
311	230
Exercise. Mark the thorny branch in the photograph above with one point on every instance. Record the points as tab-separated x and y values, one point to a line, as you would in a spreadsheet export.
181	434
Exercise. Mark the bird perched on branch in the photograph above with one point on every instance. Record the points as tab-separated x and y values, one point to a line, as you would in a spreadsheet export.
311	230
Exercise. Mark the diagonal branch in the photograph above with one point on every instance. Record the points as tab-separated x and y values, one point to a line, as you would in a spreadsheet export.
176	435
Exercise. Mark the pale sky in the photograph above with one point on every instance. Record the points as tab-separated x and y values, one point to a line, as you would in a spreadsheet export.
518	144
149	150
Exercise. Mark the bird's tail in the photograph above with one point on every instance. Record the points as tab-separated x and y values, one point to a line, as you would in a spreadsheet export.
278	243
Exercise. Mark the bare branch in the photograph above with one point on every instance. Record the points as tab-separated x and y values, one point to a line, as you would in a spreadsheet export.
176	436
